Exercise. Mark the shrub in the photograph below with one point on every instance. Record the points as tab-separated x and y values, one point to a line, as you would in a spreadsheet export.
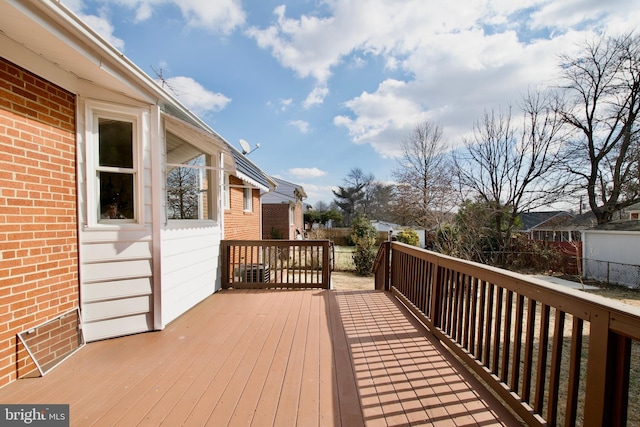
363	235
410	237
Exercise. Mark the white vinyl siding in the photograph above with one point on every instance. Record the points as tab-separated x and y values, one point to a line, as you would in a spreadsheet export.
190	270
115	254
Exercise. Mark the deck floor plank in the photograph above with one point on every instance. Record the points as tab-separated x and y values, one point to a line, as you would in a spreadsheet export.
286	358
187	366
244	412
265	411
309	401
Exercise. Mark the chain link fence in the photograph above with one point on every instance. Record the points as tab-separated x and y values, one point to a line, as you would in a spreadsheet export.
612	273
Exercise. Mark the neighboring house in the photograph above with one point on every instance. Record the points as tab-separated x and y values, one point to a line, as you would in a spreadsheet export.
242	207
553	226
112	192
610	253
282	211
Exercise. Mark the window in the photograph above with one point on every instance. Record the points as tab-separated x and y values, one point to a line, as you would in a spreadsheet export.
292	216
247	194
188	178
116	171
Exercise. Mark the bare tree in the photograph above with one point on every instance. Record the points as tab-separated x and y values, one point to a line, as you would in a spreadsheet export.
603	83
183	192
510	169
424	176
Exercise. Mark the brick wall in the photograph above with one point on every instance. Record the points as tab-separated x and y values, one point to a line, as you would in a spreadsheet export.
238	224
38	231
275	221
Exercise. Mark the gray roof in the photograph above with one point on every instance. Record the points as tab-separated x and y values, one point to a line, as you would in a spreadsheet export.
531	220
283	194
625	225
248	171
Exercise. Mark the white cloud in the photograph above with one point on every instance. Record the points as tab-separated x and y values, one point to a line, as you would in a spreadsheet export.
571	13
317	193
99	23
103	27
194	96
460	58
302	125
219	15
307	172
316	96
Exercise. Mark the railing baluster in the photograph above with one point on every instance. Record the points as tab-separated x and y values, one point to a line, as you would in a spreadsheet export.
506	340
462	278
517	344
488	324
528	350
497	331
481	309
575	359
467	311
543	341
455	304
554	369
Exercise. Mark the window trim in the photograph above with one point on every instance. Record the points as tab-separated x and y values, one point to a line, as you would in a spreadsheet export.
94	111
179	129
247	199
205	173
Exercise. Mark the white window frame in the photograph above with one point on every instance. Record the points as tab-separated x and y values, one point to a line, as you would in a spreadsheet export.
94	111
292	214
247	199
204	174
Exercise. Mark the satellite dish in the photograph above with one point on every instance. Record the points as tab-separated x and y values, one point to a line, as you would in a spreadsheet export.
245	146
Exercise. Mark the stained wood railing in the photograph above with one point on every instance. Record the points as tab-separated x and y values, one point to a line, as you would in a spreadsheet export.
556	356
262	264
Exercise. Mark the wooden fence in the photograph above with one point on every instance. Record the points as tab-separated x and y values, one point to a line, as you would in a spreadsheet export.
263	264
556	356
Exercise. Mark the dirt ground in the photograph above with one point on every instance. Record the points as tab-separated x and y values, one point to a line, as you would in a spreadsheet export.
349	280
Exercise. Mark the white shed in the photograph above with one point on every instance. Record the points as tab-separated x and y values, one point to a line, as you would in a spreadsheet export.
611	253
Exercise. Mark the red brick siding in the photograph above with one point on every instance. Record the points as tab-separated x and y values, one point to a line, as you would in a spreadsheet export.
275	221
38	231
238	224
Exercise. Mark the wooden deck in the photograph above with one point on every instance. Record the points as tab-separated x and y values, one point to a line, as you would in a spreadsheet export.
262	358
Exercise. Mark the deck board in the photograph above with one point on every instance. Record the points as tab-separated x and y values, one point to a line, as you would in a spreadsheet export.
261	358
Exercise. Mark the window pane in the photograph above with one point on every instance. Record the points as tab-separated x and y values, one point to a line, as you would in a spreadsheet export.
115	143
247	199
187	191
116	195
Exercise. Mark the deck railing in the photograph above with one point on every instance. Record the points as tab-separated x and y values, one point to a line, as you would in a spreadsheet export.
556	356
276	264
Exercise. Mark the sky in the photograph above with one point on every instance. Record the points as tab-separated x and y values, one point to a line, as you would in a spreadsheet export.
326	86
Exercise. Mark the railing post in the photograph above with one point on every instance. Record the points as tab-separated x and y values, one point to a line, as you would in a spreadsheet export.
607	374
326	268
382	274
387	267
224	259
